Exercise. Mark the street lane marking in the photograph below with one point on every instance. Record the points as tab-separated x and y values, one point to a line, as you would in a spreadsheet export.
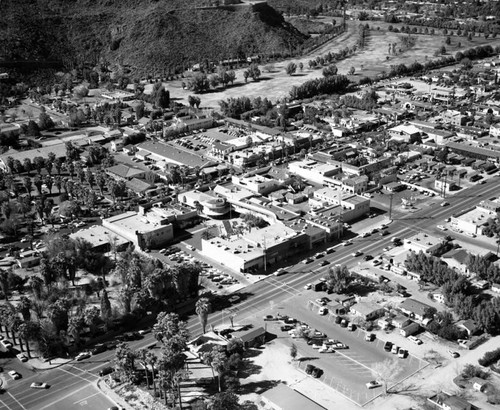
66	396
86	398
17	401
77	375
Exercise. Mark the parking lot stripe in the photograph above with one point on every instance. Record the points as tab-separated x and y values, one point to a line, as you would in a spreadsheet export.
86	398
3	404
17	401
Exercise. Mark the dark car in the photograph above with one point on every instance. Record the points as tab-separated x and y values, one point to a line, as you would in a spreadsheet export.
317	372
388	346
310	368
286	328
368	257
338	319
99	349
106	371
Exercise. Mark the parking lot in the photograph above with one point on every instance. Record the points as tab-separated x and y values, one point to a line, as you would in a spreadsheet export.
346	370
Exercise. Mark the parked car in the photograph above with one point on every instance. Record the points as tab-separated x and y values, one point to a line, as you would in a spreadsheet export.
82	356
395	349
388	346
286	328
39	385
453	354
310	368
403	353
373	384
14	375
6	344
234	299
344	323
308	286
99	349
415	340
22	357
370	337
322	311
106	371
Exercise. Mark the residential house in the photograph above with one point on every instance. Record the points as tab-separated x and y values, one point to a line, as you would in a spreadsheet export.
457	259
478	384
122	172
447	401
469	325
401	321
414	309
367	310
409	329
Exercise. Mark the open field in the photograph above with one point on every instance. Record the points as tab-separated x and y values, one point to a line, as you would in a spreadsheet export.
367	62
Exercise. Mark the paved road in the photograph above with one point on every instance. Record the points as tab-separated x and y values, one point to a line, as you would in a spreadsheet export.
72	384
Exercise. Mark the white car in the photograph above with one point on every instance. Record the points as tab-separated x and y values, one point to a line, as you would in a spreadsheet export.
415	340
83	355
39	385
373	384
308	286
443	228
15	375
22	357
6	344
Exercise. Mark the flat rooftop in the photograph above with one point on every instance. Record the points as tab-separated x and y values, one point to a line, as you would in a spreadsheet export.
133	222
477	216
98	235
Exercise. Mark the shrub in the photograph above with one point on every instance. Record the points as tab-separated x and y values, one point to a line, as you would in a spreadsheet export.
490	358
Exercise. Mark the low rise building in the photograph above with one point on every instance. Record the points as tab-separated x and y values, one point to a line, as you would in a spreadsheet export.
414	308
101	239
260	184
423	242
313	171
206	203
367	310
145	229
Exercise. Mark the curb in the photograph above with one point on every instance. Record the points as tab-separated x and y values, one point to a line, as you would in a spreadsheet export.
112	395
50	367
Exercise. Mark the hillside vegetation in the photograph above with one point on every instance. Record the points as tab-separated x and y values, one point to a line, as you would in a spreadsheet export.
154	37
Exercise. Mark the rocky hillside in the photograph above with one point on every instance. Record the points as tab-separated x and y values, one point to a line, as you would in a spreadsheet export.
146	35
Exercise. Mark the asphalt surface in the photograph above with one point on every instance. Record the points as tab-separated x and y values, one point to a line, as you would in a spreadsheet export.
73	384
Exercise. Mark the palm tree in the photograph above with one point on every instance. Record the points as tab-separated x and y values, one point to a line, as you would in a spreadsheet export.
142	357
29	331
4	283
202	310
152	360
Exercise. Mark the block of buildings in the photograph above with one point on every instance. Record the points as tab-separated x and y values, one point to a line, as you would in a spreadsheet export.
313	171
209	203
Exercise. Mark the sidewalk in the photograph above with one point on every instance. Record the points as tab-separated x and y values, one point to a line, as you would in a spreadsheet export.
112	395
40	364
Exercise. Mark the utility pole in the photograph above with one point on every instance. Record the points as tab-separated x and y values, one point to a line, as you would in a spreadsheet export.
265	255
390	205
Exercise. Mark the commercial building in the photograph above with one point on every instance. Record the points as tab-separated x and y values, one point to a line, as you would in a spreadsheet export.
260	184
472	220
145	229
101	239
422	242
257	250
351	206
209	204
313	171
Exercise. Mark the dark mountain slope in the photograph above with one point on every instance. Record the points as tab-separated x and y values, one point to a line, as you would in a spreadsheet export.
146	35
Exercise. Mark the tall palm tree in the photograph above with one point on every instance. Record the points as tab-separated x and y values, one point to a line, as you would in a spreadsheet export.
203	307
29	331
142	357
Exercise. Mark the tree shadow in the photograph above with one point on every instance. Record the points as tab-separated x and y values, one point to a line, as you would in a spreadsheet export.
258	387
252	353
306	358
249	368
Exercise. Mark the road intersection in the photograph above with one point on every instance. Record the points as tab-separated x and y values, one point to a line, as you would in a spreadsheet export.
74	385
